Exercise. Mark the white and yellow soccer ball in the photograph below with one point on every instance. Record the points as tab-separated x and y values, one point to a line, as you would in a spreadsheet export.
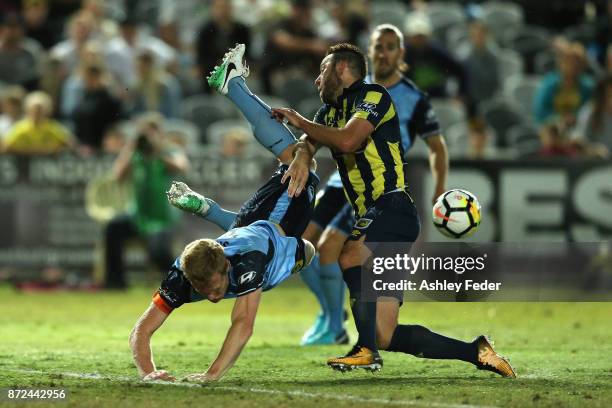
456	213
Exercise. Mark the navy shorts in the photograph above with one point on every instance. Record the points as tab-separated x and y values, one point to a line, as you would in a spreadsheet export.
272	203
344	220
330	201
392	218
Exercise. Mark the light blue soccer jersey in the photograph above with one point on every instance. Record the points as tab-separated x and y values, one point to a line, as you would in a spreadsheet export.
415	114
259	256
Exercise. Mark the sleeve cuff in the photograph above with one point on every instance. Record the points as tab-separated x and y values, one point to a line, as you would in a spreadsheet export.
161	303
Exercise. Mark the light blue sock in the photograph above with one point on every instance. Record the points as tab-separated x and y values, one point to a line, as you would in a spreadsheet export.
310	276
333	287
271	134
219	216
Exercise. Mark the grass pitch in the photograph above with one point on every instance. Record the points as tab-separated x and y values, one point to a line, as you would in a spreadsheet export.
78	342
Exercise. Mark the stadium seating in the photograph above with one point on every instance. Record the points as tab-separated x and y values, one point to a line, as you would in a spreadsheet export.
501	15
527	41
524	138
521	89
389	12
296	89
187	133
444	16
309	107
203	110
448	112
501	115
510	63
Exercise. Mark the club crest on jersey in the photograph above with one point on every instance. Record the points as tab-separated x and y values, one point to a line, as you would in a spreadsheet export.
363	223
247	277
298	266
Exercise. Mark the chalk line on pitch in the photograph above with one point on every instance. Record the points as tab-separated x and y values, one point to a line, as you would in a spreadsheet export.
294	393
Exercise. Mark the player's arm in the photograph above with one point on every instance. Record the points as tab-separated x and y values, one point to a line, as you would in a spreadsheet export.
239	333
425	123
140	343
438	163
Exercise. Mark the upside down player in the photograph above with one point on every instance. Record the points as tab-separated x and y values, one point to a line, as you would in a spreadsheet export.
261	248
332	220
359	124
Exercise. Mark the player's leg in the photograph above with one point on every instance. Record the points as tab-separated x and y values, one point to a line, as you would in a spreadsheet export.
328	201
181	196
228	79
330	246
393	218
421	342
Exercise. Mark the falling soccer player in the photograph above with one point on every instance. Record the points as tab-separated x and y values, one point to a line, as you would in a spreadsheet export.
261	248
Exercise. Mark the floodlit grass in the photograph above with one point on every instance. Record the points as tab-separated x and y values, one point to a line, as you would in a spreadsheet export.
561	352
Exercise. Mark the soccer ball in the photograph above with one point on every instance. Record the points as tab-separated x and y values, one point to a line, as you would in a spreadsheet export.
456	213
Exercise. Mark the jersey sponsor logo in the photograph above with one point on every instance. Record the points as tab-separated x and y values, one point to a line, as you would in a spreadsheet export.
368	107
363	223
356	233
247	277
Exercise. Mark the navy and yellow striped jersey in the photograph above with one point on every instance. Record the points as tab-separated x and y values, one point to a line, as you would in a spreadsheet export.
376	167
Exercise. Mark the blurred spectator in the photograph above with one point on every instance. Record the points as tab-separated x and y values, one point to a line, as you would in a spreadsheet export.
562	92
155	90
292	45
38	24
430	64
179	21
349	23
150	162
123	50
106	27
595	119
18	61
478	138
555	142
234	142
96	109
11	106
481	65
218	34
81	28
37	133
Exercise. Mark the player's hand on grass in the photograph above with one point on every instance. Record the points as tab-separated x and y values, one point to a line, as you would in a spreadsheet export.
199	377
159	375
291	116
181	196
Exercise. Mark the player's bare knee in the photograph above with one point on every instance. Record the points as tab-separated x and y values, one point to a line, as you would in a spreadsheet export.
330	246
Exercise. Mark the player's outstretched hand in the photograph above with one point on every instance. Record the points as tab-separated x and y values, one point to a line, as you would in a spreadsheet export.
199	377
181	196
159	375
291	116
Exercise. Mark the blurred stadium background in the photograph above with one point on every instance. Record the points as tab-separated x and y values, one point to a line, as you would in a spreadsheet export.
515	84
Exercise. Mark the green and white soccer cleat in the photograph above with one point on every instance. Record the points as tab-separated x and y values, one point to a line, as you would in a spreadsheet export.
182	197
231	67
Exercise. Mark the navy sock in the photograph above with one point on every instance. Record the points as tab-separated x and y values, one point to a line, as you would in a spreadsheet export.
364	313
422	342
271	134
219	216
333	288
310	276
